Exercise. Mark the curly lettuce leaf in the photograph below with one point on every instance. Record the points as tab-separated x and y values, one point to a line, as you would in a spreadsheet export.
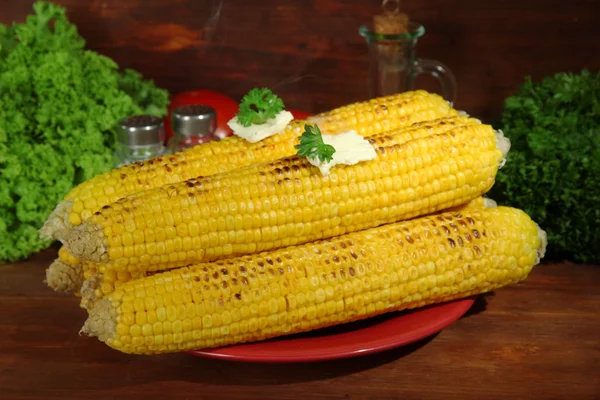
59	106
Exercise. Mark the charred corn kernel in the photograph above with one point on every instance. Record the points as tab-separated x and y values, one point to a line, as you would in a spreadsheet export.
368	118
444	141
368	263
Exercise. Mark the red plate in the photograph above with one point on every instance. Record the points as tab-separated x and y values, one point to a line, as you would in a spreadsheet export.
348	340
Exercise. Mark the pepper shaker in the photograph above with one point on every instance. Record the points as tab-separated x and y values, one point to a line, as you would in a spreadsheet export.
139	138
192	125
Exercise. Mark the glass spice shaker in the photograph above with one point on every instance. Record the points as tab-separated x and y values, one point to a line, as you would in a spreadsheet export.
139	138
192	125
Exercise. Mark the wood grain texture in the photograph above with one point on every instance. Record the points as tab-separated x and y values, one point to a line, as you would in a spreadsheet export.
536	340
310	50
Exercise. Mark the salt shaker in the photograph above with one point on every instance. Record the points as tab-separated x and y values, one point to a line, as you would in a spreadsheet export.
192	125
139	138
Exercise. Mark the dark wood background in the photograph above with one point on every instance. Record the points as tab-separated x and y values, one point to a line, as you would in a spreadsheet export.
310	50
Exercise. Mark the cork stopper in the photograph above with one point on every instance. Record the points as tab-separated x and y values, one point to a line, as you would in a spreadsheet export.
391	22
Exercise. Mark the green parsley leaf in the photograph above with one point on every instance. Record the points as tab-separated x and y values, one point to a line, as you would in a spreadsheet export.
553	167
312	145
258	106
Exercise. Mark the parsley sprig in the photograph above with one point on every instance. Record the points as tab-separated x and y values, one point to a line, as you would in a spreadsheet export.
312	145
258	106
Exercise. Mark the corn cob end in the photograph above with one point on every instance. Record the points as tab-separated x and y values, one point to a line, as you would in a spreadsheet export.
543	237
88	291
58	221
85	242
101	321
503	143
63	277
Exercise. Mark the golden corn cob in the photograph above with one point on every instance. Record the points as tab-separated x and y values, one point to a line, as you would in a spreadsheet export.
287	202
392	267
367	118
69	274
97	284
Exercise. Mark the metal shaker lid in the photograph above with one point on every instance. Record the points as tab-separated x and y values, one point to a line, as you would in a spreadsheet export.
141	130
193	120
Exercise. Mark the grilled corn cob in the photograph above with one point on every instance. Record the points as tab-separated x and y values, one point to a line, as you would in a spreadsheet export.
367	118
97	285
289	202
392	267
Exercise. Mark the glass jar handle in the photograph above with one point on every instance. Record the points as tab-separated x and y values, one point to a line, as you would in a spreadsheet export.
442	73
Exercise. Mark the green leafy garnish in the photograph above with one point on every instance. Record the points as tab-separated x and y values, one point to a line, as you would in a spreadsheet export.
312	145
553	167
59	106
258	106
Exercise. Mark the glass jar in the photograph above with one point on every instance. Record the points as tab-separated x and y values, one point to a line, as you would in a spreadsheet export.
139	138
192	125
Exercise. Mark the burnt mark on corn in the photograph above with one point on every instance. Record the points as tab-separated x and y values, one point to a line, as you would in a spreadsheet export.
269	261
475	233
216	275
123	176
225	272
168	168
353	254
238	296
460	241
189	184
470	220
477	250
351	271
409	239
224	284
196	279
452	243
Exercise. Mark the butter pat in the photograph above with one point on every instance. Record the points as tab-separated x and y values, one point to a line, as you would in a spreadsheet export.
350	148
257	132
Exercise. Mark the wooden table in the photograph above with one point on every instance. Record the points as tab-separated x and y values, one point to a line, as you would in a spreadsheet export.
536	340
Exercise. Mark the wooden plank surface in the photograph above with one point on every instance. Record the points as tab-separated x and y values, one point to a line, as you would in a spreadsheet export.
535	340
311	52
